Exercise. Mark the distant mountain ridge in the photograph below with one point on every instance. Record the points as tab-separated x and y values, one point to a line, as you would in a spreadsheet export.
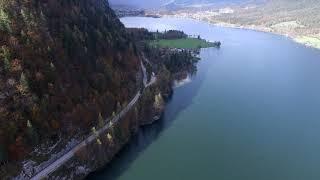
199	3
177	4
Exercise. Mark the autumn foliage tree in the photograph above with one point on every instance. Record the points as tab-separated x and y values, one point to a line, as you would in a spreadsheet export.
62	62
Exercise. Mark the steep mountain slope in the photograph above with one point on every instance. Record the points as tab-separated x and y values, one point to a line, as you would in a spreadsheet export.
62	64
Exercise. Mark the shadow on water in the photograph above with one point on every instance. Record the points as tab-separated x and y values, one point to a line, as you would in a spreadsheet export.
149	134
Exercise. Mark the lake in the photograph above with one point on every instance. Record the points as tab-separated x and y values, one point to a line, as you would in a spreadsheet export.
252	112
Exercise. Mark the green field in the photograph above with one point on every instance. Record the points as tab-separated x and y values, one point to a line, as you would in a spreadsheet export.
186	43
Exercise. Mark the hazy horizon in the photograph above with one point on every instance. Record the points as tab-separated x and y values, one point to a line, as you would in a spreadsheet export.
157	3
139	3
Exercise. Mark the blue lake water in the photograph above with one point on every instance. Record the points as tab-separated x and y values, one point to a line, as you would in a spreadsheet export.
252	112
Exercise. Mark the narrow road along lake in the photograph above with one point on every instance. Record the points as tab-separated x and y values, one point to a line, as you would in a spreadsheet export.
252	112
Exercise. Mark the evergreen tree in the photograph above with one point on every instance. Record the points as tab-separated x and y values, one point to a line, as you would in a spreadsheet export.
5	54
33	136
109	137
52	66
100	121
4	21
24	82
98	141
158	102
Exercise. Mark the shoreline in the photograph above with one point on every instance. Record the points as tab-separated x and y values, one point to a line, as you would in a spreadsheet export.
298	39
302	39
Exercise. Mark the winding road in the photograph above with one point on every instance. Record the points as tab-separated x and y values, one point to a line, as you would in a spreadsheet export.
64	158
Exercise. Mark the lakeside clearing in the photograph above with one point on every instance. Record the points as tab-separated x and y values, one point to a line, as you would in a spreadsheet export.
309	41
184	43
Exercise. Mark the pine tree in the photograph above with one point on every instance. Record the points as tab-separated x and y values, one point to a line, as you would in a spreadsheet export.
98	141
52	66
94	131
32	133
158	101
4	21
100	121
5	54
29	124
109	137
24	82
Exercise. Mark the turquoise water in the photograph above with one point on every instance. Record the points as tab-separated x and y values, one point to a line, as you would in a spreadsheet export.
252	112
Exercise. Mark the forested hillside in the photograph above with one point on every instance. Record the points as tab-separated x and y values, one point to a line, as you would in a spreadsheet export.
62	64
